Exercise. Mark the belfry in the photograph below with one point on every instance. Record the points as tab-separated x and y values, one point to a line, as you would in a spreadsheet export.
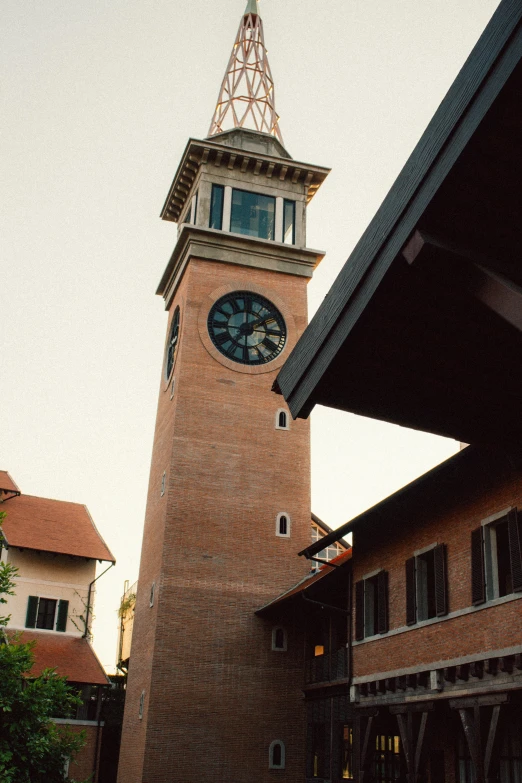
214	689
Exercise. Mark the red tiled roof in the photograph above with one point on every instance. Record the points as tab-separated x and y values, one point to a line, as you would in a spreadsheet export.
53	526
71	656
309	580
6	482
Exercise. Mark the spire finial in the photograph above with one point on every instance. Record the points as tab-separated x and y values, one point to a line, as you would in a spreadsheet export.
246	98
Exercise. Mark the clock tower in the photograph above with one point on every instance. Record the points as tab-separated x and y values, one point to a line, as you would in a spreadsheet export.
214	690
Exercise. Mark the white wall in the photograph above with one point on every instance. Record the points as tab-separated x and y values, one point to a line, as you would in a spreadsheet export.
50	576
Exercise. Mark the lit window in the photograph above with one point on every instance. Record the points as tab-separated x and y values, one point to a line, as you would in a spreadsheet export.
281	421
216	206
496	562
347	752
371	605
283	525
163	483
276	755
289	222
252	214
318	650
426	593
279	640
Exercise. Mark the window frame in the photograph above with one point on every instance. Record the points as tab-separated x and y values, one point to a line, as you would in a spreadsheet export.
286	515
284	647
278	426
375	583
213	191
484	556
415	591
271	749
60	614
253	193
291	202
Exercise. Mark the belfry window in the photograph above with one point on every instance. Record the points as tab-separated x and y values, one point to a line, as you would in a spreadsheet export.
283	525
216	206
289	222
252	214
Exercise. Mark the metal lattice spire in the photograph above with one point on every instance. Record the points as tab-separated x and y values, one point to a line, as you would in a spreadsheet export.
246	98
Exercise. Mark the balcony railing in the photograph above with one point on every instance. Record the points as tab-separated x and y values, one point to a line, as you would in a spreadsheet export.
328	667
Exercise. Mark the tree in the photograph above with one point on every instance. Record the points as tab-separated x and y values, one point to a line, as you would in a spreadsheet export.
33	749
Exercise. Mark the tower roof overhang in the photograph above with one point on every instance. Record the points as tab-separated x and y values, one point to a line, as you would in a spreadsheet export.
423	326
253	151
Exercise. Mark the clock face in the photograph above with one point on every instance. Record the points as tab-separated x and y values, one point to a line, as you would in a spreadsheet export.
172	344
247	328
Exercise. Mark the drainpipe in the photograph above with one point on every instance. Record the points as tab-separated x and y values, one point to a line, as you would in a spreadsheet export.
88	612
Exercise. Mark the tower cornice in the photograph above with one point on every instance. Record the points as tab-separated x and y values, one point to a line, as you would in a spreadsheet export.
253	156
210	244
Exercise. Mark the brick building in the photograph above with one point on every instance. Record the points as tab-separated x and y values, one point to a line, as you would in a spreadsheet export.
55	546
209	685
422	328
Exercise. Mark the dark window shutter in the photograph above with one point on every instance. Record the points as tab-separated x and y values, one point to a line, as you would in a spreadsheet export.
32	609
478	580
411	597
515	557
441	583
359	610
382	602
61	620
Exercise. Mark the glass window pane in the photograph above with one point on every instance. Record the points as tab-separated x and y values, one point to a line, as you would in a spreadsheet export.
216	207
289	222
252	214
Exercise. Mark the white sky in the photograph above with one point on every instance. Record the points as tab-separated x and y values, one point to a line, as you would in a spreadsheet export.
97	103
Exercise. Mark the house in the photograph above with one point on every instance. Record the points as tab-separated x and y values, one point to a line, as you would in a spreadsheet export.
422	328
55	546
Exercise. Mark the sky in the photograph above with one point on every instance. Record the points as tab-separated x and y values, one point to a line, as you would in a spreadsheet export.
98	100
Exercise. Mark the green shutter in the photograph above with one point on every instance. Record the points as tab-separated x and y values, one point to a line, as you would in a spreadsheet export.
32	610
61	621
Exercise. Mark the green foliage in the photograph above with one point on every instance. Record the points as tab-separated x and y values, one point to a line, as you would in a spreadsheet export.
33	749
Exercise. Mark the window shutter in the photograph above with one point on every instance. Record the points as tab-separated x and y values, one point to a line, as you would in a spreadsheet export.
515	558
61	620
411	598
478	581
382	602
441	583
359	610
32	609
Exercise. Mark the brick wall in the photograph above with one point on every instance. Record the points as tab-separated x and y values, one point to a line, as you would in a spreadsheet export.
81	767
215	693
451	522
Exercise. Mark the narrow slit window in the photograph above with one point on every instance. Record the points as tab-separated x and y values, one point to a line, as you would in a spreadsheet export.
281	421
276	755
152	592
289	222
279	639
142	705
283	525
216	206
163	483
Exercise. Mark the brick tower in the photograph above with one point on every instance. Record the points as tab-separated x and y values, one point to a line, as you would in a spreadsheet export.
212	688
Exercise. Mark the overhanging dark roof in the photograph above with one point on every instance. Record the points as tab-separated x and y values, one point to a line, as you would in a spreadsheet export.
423	326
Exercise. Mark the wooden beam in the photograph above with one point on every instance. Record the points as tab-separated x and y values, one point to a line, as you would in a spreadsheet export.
474	276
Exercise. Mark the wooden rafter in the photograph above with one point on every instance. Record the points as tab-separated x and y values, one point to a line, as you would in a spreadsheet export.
246	98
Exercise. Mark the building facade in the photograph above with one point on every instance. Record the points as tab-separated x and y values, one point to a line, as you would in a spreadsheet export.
55	547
